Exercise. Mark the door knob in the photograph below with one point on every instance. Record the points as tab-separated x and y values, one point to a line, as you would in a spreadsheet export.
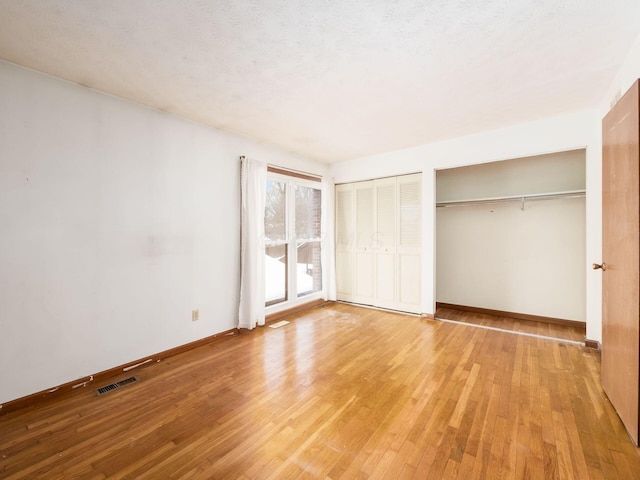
603	266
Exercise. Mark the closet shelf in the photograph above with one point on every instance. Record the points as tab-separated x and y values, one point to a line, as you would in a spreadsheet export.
534	197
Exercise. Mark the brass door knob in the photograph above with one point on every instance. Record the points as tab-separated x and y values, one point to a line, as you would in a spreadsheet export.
602	266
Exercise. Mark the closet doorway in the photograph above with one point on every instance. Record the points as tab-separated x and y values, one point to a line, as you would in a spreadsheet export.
511	238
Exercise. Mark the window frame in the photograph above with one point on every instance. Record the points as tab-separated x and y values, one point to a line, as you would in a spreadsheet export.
291	240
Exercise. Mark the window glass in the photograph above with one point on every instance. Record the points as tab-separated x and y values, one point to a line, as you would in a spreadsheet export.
307	208
275	272
275	212
308	268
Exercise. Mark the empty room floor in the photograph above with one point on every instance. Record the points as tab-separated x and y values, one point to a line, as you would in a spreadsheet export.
340	392
574	333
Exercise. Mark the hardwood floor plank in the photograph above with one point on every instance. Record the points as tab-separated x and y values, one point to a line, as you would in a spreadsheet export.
340	393
567	332
550	462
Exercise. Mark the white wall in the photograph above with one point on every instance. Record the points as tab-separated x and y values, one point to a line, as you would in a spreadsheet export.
115	222
556	172
567	132
501	258
629	72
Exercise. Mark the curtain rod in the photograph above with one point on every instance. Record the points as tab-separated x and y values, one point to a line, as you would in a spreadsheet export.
277	169
534	197
300	173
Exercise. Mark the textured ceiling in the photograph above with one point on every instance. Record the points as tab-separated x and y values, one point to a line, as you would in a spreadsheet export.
332	80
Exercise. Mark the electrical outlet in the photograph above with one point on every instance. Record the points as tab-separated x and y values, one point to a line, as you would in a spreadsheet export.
195	315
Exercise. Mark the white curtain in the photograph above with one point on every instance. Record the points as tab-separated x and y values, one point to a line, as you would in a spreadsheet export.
254	185
328	235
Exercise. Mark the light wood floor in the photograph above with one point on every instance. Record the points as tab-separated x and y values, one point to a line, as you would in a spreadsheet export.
574	333
340	393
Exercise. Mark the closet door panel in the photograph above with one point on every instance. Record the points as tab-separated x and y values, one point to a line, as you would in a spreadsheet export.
344	275
385	243
365	220
409	285
385	280
345	242
345	228
409	199
364	275
385	211
365	233
409	243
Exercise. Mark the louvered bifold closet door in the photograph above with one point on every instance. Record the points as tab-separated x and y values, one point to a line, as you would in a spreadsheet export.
385	243
365	243
409	242
345	242
378	242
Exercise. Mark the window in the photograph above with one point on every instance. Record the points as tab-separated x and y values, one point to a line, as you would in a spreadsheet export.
293	247
276	244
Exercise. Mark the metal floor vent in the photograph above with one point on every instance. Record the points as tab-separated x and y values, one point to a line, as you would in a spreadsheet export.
114	386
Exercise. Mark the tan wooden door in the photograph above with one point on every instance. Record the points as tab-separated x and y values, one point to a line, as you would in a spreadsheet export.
621	257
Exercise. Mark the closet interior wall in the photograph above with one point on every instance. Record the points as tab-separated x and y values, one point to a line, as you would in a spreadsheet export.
524	258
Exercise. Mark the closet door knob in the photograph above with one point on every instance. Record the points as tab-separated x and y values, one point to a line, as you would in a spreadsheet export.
602	266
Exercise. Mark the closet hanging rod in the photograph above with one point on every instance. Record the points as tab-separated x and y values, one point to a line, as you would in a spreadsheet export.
535	197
